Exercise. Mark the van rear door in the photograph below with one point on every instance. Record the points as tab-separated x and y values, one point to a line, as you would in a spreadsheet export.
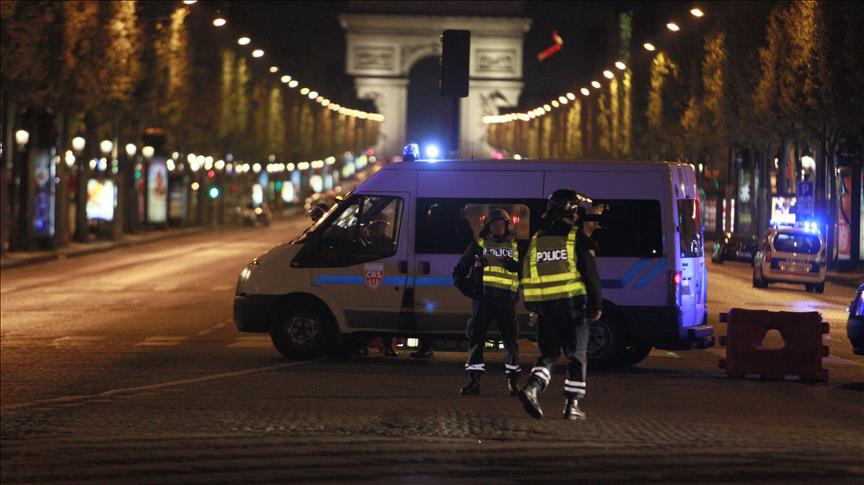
691	264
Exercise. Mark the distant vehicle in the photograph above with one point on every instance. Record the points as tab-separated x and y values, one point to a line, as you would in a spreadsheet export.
855	324
339	283
253	216
734	248
791	254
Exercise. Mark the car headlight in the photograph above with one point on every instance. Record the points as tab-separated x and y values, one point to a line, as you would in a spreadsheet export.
243	279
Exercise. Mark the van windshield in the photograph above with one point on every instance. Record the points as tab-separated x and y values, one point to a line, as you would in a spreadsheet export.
797	243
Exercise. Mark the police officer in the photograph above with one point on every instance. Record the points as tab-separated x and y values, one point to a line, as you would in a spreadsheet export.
496	253
560	283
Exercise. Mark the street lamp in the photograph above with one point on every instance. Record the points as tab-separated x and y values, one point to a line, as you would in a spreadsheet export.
608	74
595	84
148	151
257	53
673	27
584	91
22	137
244	40
620	65
649	47
696	12
106	146
219	21
131	149
78	144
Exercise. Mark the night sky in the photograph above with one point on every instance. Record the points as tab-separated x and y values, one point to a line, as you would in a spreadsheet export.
305	39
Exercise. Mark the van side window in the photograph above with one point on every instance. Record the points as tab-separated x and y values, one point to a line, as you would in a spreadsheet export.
447	226
364	228
690	228
630	228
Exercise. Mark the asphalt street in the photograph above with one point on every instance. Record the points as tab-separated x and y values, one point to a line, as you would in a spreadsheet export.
125	366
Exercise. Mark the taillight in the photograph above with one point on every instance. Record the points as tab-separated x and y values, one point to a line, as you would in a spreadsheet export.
675	288
677	278
768	255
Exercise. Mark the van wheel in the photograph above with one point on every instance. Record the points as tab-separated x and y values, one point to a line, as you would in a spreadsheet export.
820	288
635	353
302	333
605	342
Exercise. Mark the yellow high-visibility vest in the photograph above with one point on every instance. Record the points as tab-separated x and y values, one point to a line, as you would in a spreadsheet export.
550	270
496	275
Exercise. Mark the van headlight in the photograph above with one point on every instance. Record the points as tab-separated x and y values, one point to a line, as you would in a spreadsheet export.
243	279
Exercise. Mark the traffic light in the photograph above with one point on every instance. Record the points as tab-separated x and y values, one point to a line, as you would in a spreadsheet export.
214	192
455	57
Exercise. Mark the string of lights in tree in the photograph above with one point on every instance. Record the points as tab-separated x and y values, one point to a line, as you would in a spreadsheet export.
585	91
292	83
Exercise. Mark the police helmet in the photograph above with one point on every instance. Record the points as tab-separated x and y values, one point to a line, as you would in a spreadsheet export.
496	215
566	203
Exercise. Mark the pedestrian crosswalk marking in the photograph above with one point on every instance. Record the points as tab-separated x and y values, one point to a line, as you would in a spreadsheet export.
78	340
162	341
252	342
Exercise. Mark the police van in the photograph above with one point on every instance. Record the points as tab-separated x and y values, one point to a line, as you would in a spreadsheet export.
380	261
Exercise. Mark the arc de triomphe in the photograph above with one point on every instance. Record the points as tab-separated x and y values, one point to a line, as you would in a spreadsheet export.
381	49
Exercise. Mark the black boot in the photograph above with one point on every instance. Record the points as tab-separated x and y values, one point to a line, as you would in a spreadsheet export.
513	383
473	386
529	395
572	411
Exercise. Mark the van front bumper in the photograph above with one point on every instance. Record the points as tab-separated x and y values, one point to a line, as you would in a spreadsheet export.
252	313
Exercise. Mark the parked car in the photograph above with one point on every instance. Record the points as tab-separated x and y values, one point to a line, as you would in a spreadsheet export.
734	248
791	254
855	324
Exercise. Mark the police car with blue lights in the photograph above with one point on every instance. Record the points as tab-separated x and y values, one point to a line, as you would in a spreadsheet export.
379	262
791	253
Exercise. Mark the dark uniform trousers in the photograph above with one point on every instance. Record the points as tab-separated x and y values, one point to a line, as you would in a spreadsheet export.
484	311
562	326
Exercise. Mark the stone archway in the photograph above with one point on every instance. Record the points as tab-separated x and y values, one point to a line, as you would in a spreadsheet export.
381	49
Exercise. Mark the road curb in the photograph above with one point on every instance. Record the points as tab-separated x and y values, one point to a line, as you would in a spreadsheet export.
97	248
851	281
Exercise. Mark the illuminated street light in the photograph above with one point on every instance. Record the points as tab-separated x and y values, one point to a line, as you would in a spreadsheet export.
697	12
70	158
78	144
546	107
274	69
585	91
148	151
285	79
595	84
571	96
304	91
649	47
313	94
190	2
219	21
256	167
244	40
562	99
620	65
673	27
293	84
131	149
257	53
22	137
106	146
608	74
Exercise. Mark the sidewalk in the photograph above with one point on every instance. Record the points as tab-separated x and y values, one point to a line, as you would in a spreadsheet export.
13	259
845	279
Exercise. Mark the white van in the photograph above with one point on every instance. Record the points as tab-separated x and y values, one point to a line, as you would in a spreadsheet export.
380	261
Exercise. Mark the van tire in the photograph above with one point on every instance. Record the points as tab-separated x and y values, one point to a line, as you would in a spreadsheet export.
606	342
820	288
303	332
635	353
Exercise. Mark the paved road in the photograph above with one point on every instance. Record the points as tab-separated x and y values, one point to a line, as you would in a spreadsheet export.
125	367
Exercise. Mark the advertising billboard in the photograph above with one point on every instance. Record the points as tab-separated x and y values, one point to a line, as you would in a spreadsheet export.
43	209
101	195
177	202
157	192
